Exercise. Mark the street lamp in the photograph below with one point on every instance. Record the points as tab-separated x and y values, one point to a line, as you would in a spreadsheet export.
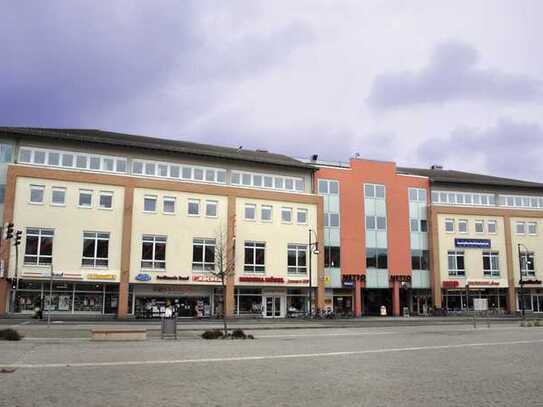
316	251
521	281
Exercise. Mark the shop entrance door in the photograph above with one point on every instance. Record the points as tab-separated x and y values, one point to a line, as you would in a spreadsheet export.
272	307
537	303
421	304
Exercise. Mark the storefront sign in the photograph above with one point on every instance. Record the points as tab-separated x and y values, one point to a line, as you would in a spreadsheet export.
450	284
143	277
94	276
206	279
531	282
304	281
255	279
483	283
472	243
348	283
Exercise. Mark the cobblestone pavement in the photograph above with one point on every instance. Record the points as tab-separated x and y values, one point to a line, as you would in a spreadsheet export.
390	366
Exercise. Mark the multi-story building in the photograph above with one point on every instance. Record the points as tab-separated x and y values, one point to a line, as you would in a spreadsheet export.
122	224
483	229
375	237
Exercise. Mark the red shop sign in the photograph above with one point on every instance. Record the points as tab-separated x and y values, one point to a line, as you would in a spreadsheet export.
451	284
254	279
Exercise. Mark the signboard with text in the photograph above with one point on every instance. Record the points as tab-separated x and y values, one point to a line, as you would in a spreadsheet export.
472	243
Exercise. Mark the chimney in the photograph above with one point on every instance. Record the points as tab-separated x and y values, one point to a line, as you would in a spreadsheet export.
436	167
314	157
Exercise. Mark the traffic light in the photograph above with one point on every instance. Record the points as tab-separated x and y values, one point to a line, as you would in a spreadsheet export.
9	231
18	235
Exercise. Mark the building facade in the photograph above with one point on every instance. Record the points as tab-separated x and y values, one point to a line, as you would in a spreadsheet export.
124	224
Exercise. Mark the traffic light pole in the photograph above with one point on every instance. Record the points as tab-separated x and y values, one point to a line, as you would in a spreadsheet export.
16	275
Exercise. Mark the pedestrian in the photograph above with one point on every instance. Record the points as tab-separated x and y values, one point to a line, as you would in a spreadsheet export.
38	309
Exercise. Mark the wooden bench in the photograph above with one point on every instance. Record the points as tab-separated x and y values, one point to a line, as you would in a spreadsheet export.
118	334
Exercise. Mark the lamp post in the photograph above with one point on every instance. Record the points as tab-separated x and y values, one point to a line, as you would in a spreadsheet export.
315	251
521	281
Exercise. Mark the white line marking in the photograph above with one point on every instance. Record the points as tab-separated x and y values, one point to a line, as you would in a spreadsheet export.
333	334
263	357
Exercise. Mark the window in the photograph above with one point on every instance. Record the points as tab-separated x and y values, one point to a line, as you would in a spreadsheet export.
462	226
53	159
153	252
266	213
203	255
39	157
95	249
254	257
168	204
193	207
36	194
25	155
423	225
331	220
370	223
419	195
532	228
250	211
491	264
211	209
376	258
301	216
376	223
369	191
527	261
39	246
105	200
246	179
137	167
5	153
297	259
150	169
149	203
414	223
479	226
449	225
381	223
286	215
323	186
520	228
58	196
334	187
81	161
198	174
491	226
379	191
85	198
162	170
332	256
419	260
456	263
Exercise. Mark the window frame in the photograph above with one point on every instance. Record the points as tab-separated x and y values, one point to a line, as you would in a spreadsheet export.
95	258
154	240
41	188
206	266
43	233
211	202
153	198
463	222
297	249
104	194
249	206
83	191
456	272
196	202
169	199
254	267
491	272
288	210
262	209
58	189
452	222
306	214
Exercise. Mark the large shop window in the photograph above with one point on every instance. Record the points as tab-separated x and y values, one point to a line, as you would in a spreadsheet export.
419	259
254	257
39	246
456	263
95	249
491	264
249	300
376	258
527	260
297	259
332	256
153	252
203	255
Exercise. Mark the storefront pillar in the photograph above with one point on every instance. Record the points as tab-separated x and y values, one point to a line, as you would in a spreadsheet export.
511	299
4	294
357	298
396	298
229	298
122	310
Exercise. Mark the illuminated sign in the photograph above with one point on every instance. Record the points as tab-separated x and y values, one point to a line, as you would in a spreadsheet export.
206	279
94	276
451	284
255	279
143	277
483	283
472	243
304	281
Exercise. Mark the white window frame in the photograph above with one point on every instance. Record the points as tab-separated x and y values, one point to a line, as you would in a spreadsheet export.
210	202
480	222
306	214
286	210
492	272
492	222
58	189
40	188
150	198
251	268
463	222
204	266
42	232
249	206
266	208
278	182
193	201
297	269
450	221
100	195
95	237
530	256
456	272
522	225
154	239
169	199
528	227
83	191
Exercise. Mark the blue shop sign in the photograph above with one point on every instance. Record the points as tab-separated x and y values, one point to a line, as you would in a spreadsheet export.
143	277
348	283
472	243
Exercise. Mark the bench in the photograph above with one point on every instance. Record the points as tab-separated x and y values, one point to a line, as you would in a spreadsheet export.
118	334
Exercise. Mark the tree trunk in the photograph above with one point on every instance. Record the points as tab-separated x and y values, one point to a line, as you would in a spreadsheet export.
225	327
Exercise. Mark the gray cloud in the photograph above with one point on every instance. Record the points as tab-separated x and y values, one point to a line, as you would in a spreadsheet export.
451	75
70	63
509	149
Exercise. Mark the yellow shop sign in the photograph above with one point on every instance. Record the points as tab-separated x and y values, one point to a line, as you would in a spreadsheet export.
95	276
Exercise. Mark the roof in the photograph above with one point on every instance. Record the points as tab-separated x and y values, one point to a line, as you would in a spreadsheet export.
460	177
157	144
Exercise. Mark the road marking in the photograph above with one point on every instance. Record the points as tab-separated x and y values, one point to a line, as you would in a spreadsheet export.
263	357
332	334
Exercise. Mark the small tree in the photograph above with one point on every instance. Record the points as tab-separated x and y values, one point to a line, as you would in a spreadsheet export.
224	266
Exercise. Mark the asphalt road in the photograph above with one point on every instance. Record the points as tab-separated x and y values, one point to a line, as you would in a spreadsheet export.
389	366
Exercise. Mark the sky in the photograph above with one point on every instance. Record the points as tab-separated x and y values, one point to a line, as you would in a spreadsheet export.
455	83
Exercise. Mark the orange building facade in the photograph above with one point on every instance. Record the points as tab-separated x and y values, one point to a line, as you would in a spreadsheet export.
376	244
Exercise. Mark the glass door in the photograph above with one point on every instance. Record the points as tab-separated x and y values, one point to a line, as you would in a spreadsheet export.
537	302
272	307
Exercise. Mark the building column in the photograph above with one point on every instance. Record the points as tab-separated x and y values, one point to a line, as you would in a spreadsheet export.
229	291
357	298
122	310
320	257
396	298
4	295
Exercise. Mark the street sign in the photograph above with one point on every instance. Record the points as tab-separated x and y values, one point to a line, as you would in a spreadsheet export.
480	304
472	243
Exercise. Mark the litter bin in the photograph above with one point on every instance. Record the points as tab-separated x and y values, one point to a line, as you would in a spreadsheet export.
168	328
406	312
